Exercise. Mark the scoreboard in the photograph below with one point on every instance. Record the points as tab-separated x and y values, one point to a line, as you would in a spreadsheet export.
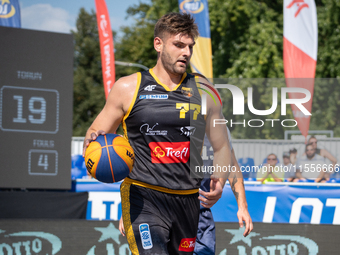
36	91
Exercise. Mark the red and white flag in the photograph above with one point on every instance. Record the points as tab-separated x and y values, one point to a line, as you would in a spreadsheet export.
300	46
106	46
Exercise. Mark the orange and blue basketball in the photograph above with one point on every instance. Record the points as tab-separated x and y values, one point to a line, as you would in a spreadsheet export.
109	158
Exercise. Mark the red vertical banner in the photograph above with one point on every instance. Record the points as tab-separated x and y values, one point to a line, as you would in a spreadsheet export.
300	45
106	46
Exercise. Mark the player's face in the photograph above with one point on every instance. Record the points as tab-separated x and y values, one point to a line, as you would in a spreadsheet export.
176	52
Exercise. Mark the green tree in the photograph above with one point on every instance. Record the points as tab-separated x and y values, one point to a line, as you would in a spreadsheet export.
137	43
88	97
246	38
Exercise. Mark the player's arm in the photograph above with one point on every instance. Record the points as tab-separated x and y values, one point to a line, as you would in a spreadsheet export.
237	186
117	104
219	140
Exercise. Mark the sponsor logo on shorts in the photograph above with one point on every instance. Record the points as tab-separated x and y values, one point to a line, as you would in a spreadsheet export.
188	130
147	130
150	87
187	244
145	236
166	152
160	96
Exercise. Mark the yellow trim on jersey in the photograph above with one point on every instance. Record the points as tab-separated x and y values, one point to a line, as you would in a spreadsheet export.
165	86
125	193
198	85
139	78
161	189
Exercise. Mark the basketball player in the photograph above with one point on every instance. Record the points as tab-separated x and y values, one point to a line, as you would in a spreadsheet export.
206	237
159	198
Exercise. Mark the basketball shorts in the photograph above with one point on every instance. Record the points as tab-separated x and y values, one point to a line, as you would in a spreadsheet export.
159	223
206	237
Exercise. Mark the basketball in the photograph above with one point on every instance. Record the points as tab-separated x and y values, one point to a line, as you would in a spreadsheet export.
109	158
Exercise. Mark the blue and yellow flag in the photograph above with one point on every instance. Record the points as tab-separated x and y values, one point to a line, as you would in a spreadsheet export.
201	60
10	13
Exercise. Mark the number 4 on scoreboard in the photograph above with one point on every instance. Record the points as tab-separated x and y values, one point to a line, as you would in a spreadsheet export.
43	161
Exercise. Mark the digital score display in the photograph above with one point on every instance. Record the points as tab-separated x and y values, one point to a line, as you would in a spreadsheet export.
36	91
29	110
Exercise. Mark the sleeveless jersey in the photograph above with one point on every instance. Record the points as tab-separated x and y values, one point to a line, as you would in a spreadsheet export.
166	130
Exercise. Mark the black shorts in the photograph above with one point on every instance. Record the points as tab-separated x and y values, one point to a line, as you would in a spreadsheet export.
159	223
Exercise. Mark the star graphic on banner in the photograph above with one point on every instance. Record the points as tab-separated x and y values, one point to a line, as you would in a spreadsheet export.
238	236
109	232
4	1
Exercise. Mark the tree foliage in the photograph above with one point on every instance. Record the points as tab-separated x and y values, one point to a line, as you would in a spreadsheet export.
88	93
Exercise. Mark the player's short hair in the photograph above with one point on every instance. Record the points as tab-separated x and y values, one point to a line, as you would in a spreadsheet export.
175	23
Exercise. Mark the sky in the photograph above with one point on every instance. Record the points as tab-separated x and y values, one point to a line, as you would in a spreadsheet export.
60	15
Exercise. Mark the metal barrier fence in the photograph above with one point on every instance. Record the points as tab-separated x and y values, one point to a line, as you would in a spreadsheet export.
260	149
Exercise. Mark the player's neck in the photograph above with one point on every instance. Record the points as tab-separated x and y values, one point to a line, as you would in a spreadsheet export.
166	77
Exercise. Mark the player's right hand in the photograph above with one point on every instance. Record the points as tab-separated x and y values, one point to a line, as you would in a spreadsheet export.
93	137
208	199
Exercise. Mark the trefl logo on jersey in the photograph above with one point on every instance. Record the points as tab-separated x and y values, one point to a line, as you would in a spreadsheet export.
145	236
167	153
187	244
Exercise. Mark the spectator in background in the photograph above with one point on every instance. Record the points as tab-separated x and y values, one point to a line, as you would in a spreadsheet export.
293	156
324	153
287	167
311	166
270	172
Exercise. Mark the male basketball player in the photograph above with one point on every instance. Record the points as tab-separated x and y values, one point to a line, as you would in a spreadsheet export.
159	198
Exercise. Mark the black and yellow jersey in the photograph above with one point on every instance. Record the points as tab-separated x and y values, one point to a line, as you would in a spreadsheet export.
166	130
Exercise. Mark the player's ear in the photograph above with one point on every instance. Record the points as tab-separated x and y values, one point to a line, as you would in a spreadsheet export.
158	44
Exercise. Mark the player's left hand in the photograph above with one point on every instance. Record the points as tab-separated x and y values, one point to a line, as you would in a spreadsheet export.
121	227
208	199
244	218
